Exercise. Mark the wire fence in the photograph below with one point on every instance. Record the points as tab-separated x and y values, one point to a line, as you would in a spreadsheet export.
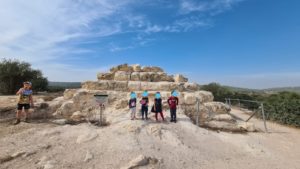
256	107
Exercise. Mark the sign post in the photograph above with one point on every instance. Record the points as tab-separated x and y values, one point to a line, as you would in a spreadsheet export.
101	99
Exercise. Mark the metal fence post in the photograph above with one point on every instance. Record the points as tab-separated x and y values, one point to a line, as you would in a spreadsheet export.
100	114
264	118
198	112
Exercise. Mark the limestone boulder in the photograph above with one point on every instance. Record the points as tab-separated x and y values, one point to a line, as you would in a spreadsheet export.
192	112
118	85
69	93
145	77
191	86
155	86
217	107
105	76
55	104
78	116
134	86
223	117
250	127
177	86
66	109
154	77
224	126
152	69
136	68
122	76
100	85
135	76
190	99
180	78
164	77
147	86
204	96
123	67
85	98
159	77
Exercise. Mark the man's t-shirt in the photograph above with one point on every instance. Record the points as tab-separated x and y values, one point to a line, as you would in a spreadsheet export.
24	97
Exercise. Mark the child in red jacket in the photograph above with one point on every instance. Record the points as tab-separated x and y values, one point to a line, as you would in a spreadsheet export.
173	103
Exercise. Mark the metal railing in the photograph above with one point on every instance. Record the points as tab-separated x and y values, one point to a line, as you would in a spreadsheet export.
228	101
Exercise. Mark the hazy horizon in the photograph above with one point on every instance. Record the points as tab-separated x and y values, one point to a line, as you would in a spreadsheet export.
242	43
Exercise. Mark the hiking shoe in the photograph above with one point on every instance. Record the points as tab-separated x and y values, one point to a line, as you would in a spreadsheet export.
17	122
171	120
26	120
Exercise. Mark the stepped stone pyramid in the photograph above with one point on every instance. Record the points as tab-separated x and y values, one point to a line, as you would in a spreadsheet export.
77	104
137	78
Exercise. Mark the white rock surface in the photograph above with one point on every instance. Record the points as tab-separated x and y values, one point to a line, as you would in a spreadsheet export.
86	137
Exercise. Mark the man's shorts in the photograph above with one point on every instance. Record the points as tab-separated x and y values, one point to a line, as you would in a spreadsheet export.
26	106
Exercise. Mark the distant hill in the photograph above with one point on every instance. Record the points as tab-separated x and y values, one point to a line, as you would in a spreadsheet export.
240	89
65	84
269	90
281	89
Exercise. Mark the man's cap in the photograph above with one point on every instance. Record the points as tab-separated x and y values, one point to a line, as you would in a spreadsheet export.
27	82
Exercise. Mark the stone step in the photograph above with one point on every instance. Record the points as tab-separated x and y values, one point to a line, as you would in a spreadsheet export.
139	86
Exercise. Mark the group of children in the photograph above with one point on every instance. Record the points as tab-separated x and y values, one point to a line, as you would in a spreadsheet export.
25	102
157	107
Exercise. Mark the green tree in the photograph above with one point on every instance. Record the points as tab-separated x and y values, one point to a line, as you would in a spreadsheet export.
219	92
13	73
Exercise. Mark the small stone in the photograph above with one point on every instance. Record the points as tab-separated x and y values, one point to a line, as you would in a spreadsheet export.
18	154
60	121
141	160
89	156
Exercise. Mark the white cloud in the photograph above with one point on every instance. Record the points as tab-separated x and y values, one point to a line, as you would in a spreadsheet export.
39	31
211	6
38	26
44	32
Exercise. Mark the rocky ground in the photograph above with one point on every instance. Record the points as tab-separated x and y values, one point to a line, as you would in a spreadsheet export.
139	144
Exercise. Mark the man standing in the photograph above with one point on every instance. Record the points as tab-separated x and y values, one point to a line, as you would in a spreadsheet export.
173	103
25	101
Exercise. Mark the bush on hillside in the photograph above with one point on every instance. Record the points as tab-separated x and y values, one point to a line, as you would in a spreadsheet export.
284	107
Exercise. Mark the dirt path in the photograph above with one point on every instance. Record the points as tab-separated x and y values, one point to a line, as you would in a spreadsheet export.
175	146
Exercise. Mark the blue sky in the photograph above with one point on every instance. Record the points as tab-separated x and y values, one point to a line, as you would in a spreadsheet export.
245	43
